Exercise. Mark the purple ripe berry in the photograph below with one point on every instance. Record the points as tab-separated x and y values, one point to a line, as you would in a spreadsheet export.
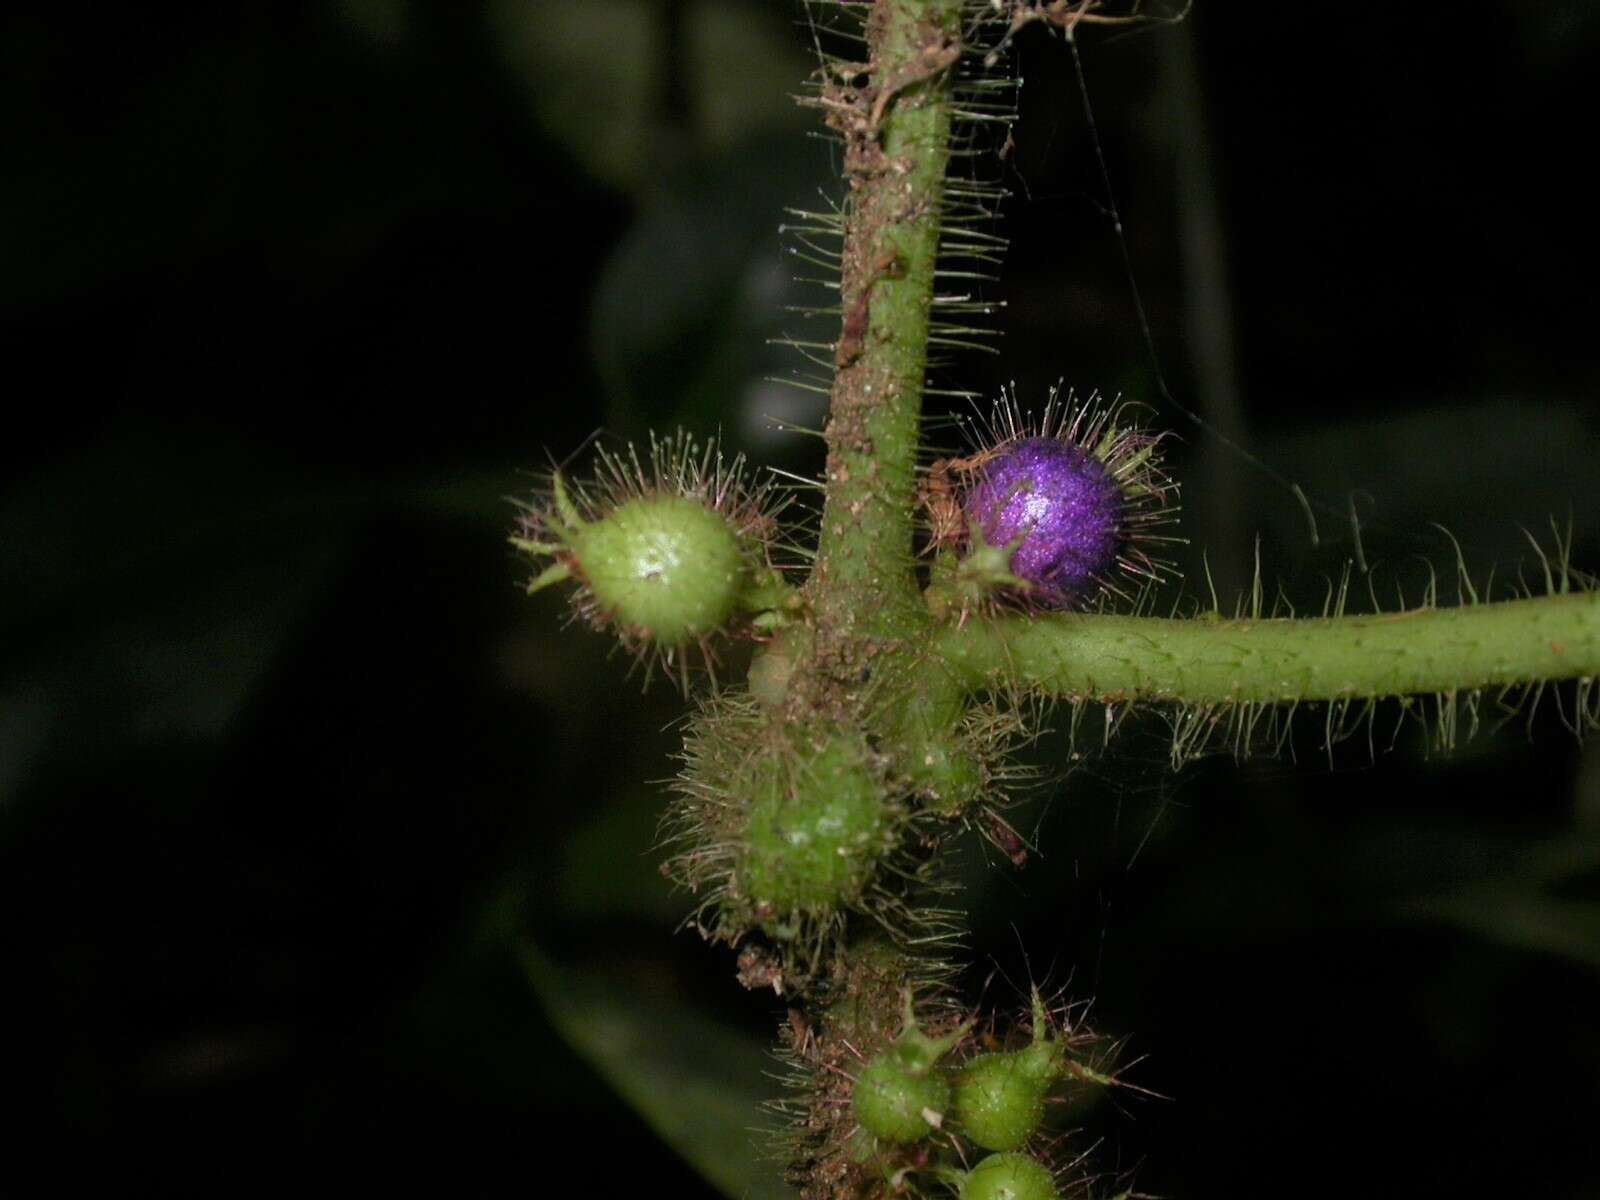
1056	512
1063	509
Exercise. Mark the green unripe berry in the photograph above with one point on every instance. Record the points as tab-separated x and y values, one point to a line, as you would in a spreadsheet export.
818	823
1010	1177
999	1101
666	567
664	554
999	1098
901	1095
896	1104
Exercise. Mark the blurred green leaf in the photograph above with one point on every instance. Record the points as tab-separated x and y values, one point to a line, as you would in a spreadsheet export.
698	1084
608	863
594	74
1521	907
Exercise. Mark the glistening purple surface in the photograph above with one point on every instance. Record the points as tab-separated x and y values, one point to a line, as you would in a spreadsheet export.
1066	507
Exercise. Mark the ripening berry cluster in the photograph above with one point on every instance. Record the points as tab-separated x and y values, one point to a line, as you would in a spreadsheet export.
792	831
910	1093
787	828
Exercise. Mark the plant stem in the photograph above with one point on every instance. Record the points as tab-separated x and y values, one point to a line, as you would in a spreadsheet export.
897	134
1282	661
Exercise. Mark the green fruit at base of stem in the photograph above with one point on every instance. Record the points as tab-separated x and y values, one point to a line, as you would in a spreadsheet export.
1010	1177
901	1095
816	827
668	568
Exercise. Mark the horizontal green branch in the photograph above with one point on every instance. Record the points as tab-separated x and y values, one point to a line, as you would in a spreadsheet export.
1209	661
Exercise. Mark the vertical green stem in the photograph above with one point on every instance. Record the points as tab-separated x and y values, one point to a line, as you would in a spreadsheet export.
897	134
867	607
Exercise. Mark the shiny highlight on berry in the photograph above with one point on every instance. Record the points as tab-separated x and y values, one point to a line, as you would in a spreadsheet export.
1059	512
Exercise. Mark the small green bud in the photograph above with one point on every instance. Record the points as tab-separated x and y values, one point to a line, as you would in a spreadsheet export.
818	822
901	1094
666	567
949	775
999	1098
1010	1177
771	669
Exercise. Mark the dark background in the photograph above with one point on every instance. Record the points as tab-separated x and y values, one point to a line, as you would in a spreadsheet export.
294	296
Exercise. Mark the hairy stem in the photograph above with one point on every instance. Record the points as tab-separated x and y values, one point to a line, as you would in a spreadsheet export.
1283	660
897	133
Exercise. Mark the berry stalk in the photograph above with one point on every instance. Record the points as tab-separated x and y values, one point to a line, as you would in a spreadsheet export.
1282	661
